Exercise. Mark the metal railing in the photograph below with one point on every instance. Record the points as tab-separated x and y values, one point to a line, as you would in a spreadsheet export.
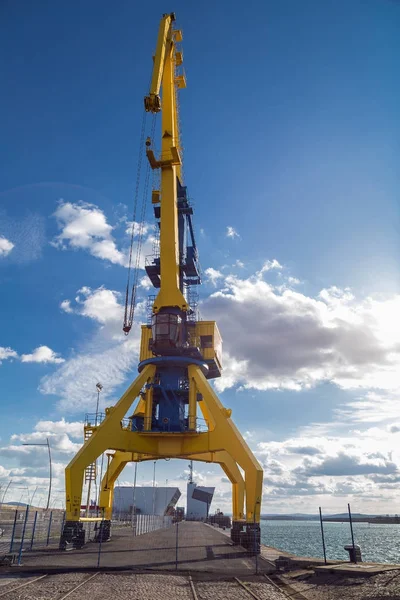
93	419
151	425
28	529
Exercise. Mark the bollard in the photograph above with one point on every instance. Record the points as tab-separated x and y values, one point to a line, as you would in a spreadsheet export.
49	528
176	547
13	530
33	530
23	535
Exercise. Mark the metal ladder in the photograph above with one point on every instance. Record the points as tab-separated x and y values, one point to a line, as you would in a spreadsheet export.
90	471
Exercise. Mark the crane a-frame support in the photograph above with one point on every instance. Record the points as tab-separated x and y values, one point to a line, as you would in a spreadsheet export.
178	356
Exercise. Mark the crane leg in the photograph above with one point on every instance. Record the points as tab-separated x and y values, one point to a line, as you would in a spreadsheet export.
224	430
73	532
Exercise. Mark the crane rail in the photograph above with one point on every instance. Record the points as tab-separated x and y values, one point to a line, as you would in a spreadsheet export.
79	586
9	592
245	585
285	588
18	587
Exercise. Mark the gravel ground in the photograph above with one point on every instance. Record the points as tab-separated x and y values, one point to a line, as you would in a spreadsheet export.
220	590
135	587
49	588
149	586
13	579
266	591
385	586
124	586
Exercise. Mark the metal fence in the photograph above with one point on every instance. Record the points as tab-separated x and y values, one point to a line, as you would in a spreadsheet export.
25	529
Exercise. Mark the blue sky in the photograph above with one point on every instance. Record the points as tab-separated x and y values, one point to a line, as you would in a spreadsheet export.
291	132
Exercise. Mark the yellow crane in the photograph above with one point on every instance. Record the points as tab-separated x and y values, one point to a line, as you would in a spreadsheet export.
179	353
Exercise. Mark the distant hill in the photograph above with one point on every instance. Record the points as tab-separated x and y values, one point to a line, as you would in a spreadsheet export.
314	517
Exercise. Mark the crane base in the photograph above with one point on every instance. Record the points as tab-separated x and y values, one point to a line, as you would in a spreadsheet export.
247	535
72	536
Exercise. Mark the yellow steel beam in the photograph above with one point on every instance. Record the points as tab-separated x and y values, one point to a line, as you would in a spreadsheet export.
227	434
140	408
115	468
99	443
120	459
170	293
152	102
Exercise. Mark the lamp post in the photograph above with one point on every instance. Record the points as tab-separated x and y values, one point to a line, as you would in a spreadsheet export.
50	469
99	387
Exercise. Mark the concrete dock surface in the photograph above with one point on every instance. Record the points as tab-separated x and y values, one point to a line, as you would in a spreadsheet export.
187	546
202	565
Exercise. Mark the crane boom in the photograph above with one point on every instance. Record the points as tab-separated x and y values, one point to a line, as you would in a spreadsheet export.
152	102
164	77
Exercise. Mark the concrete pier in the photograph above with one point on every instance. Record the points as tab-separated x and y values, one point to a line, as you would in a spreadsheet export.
188	546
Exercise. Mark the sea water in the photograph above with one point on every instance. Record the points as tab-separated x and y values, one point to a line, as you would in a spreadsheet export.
379	543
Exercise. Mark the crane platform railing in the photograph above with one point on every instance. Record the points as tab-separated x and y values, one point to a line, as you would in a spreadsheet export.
152	426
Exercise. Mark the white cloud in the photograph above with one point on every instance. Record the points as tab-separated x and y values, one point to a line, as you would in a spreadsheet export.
5	246
74	382
138	228
42	354
145	283
289	340
270	265
370	407
213	275
101	304
107	357
84	226
7	353
72	428
32	470
360	466
231	232
293	281
66	306
336	296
